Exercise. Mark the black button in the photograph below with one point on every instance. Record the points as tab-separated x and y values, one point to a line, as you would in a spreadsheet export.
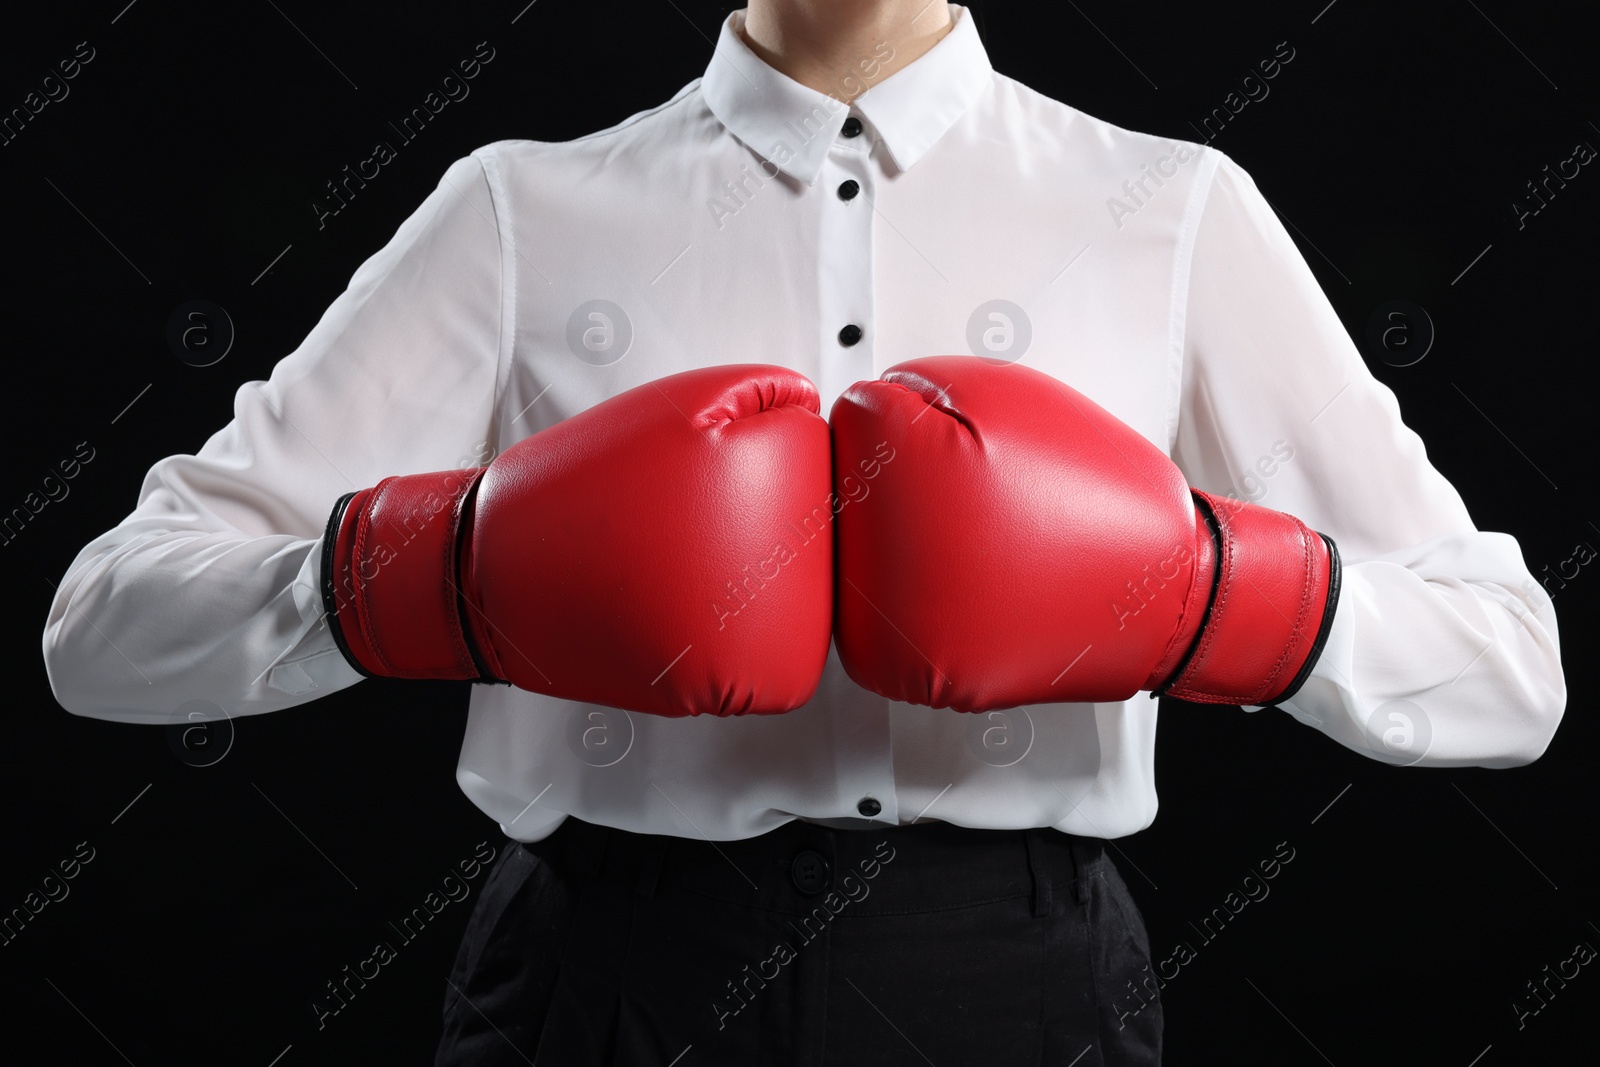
810	873
850	335
869	806
848	189
852	127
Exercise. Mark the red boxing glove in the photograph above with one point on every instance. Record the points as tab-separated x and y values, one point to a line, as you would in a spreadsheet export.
633	555
1026	547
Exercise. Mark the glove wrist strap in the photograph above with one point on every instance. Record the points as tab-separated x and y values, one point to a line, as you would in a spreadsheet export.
1277	586
390	578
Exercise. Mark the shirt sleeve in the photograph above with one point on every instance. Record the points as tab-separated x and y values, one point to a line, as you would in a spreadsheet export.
1443	649
209	590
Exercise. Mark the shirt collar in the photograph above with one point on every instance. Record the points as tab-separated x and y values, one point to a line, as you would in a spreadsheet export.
794	126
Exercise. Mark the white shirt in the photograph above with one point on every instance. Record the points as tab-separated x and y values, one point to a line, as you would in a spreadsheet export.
1150	275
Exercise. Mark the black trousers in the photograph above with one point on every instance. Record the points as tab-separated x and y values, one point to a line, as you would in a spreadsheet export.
804	946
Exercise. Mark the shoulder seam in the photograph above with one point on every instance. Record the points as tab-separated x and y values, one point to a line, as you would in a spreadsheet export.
1182	278
640	116
500	203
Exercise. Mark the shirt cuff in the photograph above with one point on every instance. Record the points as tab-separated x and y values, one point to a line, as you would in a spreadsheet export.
315	662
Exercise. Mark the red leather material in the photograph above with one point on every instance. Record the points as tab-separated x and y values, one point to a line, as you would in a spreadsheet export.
652	552
1272	591
396	567
1194	608
668	550
1023	545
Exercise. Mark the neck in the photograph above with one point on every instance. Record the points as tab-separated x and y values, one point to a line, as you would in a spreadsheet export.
843	47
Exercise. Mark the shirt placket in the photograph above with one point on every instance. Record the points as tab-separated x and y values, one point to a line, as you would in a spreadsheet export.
848	185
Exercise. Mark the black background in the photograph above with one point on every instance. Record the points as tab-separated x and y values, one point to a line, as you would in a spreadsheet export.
187	157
